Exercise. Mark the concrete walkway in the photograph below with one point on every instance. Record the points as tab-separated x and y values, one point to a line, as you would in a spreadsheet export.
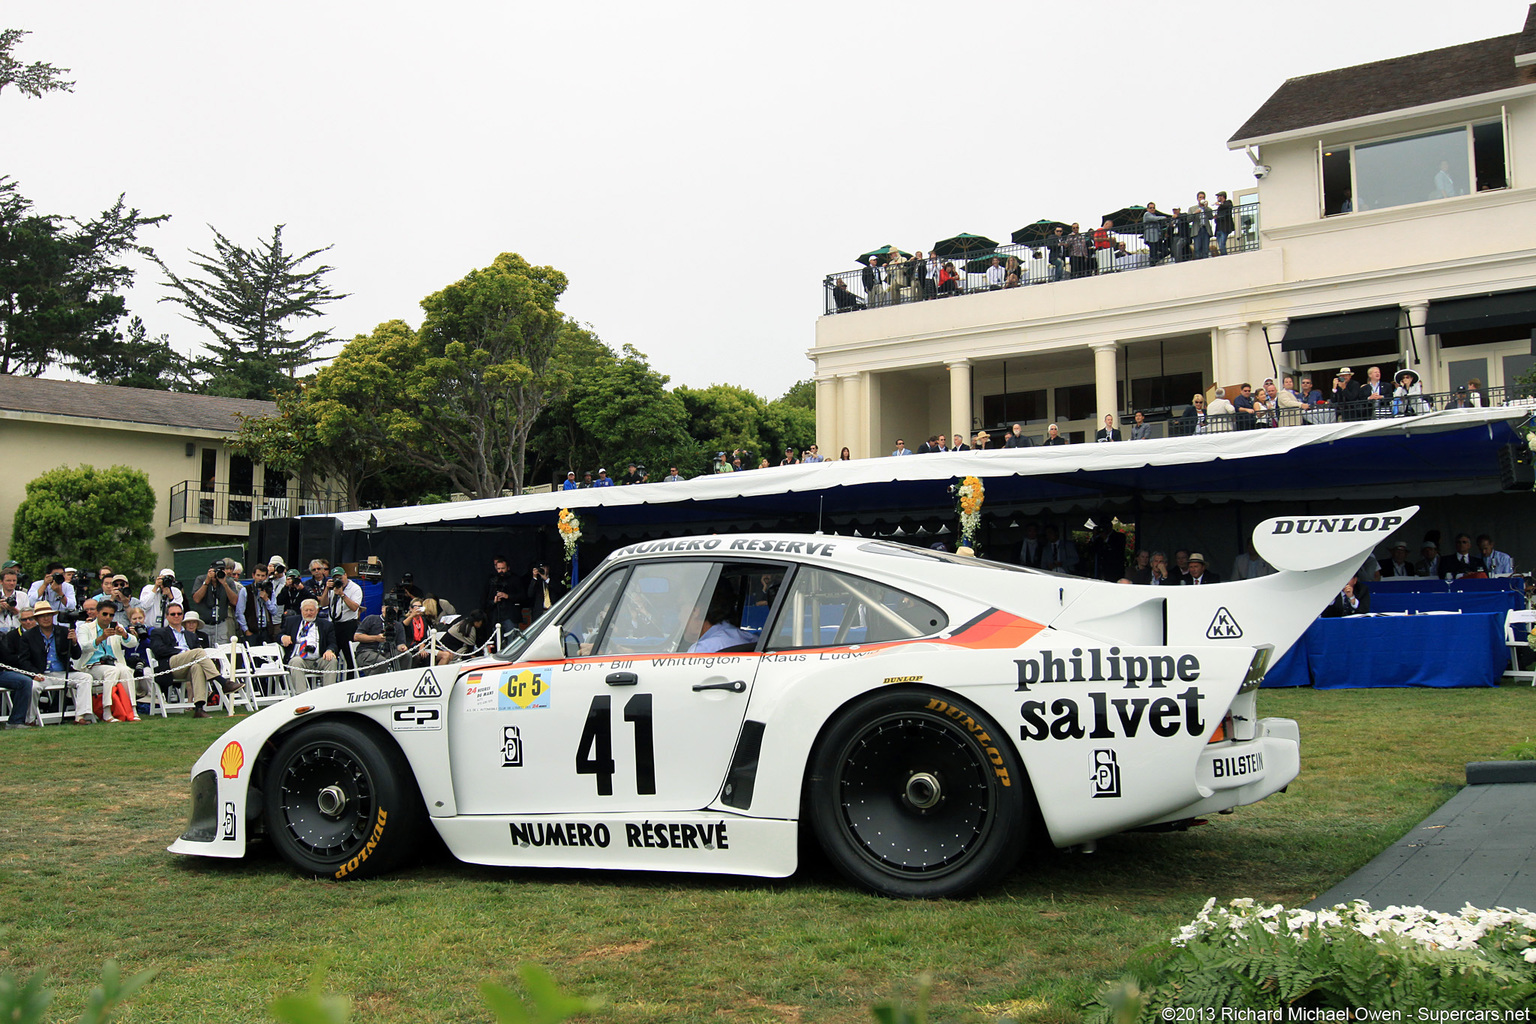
1478	848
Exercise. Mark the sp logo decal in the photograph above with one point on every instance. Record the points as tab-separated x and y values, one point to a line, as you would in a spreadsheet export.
1106	774
416	717
229	820
427	687
511	747
1223	627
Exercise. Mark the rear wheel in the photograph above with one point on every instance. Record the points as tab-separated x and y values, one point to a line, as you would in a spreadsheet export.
343	803
918	795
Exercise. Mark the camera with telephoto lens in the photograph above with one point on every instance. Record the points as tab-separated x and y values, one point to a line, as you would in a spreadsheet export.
58	577
218	565
168	580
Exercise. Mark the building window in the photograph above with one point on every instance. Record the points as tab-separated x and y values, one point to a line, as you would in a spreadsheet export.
1158	392
1414	169
1018	407
1078	402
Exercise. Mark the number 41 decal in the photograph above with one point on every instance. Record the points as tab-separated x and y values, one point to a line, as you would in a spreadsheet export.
594	751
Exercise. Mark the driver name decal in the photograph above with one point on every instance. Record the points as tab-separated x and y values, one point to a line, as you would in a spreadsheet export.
1096	666
1065	719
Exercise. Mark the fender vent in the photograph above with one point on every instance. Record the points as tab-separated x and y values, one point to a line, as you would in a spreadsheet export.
742	778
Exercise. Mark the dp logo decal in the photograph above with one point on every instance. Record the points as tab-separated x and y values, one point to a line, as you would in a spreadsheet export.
1106	774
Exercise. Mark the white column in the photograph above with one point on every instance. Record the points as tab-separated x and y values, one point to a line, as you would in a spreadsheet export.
826	411
849	426
1104	381
1234	354
1416	312
959	398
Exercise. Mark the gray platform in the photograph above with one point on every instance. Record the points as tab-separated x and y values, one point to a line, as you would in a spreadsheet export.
1478	848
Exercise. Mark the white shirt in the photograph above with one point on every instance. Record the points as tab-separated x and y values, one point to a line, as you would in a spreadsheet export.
995	276
43	590
340	612
149	601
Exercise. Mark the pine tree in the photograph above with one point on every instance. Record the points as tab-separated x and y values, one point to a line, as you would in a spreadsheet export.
246	298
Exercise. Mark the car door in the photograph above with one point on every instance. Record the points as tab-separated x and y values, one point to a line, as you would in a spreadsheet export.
630	719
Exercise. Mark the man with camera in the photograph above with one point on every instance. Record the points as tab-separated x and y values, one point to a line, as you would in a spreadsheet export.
157	597
345	598
318	586
543	591
12	600
256	611
378	646
290	595
52	651
101	655
311	647
55	589
219	593
114	588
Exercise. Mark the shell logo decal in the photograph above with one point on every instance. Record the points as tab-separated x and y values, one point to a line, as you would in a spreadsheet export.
232	760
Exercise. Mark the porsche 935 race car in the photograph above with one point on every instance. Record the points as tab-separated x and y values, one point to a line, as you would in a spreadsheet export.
697	702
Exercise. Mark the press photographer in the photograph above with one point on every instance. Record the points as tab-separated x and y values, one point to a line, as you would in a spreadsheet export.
156	597
219	592
54	589
256	613
290	594
345	597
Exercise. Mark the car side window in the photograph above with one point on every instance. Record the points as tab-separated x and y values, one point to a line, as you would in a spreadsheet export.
825	608
580	628
654	611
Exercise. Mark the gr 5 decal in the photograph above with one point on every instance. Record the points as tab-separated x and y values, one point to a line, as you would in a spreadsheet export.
522	689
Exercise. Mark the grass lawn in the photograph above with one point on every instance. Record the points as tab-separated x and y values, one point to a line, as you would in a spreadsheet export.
86	813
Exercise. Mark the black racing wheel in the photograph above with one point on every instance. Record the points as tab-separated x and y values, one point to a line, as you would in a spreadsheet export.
343	803
917	794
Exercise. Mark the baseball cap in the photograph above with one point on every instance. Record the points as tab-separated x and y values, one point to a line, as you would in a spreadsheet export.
293	574
338	572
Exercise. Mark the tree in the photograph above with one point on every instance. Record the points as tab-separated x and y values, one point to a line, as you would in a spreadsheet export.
32	79
60	280
137	362
790	421
724	417
246	300
87	516
628	415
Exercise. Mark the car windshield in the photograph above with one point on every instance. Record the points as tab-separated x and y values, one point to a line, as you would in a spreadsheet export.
886	547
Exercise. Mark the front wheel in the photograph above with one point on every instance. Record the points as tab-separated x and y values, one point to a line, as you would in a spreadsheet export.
917	795
340	802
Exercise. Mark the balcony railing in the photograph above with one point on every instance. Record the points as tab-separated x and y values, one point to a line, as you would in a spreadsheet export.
194	503
1181	420
1124	249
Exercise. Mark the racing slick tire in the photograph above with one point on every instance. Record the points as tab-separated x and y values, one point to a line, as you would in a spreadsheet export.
343	803
917	794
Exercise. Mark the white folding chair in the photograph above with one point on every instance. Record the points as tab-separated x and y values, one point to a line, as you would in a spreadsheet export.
228	660
160	701
260	667
1511	620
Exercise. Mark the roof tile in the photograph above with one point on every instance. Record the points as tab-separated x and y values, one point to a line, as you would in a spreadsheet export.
126	405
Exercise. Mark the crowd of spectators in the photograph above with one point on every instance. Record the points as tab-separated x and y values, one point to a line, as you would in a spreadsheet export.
1068	251
72	635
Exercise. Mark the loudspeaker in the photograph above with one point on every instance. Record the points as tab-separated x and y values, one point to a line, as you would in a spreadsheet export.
1515	470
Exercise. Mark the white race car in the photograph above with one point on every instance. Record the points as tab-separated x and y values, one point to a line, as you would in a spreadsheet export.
696	702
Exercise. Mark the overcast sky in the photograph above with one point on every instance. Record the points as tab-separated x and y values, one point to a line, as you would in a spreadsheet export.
695	169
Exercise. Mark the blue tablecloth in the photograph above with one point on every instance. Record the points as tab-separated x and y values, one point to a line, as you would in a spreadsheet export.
1396	650
1499	601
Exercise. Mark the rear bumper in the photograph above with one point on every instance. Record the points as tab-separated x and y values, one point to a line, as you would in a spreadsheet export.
1244	772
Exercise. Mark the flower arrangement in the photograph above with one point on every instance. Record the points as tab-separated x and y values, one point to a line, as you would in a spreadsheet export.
969	495
1395	959
570	533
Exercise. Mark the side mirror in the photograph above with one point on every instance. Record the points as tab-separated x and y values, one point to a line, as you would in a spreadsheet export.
570	644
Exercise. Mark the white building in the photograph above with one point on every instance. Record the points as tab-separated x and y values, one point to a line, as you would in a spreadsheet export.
1393	225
